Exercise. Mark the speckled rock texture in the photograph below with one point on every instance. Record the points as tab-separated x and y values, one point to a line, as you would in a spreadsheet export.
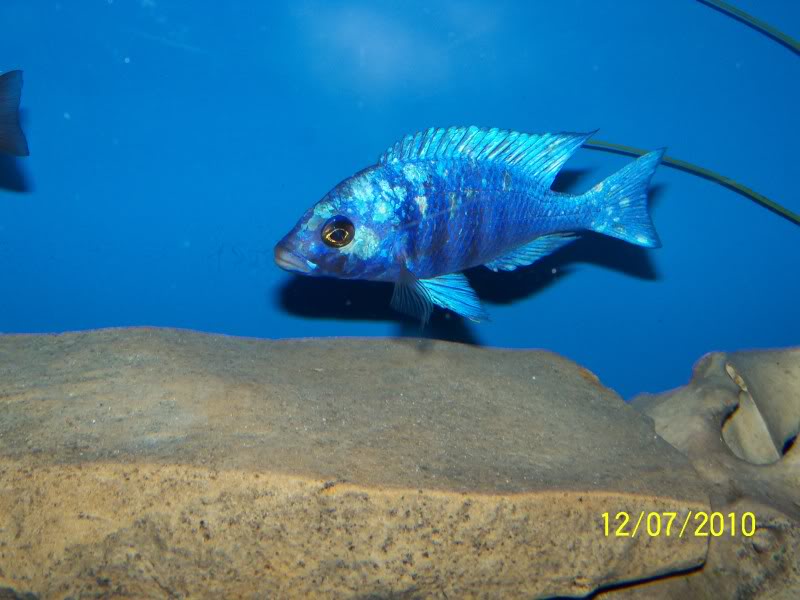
151	463
736	421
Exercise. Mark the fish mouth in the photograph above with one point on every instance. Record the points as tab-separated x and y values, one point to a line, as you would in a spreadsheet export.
285	259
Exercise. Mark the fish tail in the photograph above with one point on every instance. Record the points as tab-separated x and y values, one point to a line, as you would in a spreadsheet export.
12	140
619	203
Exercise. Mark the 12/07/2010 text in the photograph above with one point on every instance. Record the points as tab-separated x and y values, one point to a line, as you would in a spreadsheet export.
663	524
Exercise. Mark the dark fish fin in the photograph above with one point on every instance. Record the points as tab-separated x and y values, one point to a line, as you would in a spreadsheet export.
622	202
12	139
411	298
453	292
531	252
540	156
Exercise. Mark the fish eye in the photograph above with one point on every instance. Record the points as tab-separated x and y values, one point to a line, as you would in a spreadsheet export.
338	232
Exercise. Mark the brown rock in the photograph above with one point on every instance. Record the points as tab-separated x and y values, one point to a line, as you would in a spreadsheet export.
768	416
150	463
739	410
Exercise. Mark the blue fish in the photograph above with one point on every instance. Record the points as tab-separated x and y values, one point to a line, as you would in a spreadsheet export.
444	200
12	140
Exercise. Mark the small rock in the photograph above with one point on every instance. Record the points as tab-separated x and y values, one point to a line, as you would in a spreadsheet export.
756	395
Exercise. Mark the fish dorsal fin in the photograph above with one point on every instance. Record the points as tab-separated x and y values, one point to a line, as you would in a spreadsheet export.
530	253
540	156
416	297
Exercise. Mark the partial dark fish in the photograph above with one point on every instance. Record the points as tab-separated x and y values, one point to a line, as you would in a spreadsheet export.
12	139
444	200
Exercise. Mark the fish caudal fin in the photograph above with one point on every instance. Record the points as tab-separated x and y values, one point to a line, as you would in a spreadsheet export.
621	202
12	140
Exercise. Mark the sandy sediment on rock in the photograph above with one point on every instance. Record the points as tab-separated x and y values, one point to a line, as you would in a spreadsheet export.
149	462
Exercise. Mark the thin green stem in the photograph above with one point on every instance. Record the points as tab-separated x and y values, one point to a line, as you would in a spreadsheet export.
757	24
701	172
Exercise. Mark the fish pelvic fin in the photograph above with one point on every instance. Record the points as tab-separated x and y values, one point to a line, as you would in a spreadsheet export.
621	202
416	297
12	139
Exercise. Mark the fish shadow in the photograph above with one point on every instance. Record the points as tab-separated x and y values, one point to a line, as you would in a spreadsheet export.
329	298
592	248
568	179
13	177
343	300
348	300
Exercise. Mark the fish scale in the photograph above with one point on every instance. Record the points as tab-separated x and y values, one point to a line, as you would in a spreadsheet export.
510	218
444	200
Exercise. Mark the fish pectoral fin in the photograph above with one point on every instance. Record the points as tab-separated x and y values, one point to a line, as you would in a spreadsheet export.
531	252
411	297
416	297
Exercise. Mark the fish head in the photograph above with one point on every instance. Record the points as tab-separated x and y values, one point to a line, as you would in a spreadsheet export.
349	234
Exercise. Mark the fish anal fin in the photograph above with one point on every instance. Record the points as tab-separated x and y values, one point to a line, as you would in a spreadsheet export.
531	252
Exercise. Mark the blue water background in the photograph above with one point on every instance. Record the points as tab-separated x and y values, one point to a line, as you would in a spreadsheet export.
173	143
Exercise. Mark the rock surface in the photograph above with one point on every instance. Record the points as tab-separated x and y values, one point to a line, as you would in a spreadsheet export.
152	463
740	411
